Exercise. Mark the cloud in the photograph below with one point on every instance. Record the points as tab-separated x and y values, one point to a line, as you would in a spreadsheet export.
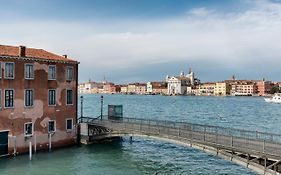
231	39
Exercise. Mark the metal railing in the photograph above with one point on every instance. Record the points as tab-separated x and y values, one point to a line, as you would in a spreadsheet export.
255	142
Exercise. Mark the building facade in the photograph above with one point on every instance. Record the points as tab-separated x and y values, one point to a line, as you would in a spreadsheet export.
156	88
38	93
222	89
206	89
140	88
177	85
264	87
244	88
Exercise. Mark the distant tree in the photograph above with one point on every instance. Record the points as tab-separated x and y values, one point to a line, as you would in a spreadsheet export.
275	89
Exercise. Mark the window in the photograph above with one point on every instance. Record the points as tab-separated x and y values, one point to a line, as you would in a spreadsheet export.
29	71
9	70
52	126
69	124
52	72
28	97
0	70
9	98
52	97
28	129
69	97
69	73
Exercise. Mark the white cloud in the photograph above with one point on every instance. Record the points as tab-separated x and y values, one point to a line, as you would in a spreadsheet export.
231	39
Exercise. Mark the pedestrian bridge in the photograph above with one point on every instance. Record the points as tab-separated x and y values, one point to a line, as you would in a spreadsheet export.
258	151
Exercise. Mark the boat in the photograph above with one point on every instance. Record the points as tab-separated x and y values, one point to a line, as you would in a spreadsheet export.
276	98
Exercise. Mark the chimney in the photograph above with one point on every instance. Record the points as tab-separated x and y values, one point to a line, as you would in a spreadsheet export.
65	56
22	51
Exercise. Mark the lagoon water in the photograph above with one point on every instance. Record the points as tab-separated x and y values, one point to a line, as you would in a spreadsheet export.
144	156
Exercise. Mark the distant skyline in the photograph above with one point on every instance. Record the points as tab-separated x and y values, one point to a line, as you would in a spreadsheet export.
145	40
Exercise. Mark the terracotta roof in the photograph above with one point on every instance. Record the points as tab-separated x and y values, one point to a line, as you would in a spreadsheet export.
13	51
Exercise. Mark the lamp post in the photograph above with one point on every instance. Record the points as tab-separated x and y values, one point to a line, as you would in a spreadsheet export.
101	107
78	141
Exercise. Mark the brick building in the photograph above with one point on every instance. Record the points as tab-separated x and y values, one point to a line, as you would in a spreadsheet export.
38	99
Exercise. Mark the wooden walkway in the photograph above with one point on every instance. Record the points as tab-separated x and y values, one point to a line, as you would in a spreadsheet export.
256	150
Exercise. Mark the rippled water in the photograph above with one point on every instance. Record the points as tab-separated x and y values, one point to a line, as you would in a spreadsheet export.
145	156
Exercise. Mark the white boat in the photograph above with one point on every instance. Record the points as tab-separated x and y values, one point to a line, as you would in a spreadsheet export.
276	98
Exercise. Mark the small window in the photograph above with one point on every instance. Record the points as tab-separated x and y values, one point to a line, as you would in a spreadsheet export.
28	97
69	124
69	73
52	126
52	72
69	97
9	98
29	71
9	70
28	129
52	97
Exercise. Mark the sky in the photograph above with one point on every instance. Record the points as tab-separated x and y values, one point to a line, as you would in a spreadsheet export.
144	40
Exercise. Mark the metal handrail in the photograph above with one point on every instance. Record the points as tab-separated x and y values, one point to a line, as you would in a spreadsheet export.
242	133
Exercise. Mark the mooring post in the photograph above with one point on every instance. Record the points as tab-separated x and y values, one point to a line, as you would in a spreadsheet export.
30	150
35	143
50	142
15	145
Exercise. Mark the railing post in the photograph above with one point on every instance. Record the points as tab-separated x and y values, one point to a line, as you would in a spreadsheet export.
231	141
263	146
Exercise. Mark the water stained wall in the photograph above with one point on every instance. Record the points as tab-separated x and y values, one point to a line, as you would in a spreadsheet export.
13	119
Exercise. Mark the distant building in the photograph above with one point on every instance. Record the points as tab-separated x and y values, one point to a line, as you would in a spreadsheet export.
206	88
38	95
264	87
109	88
131	88
222	89
124	89
177	85
156	88
140	88
244	88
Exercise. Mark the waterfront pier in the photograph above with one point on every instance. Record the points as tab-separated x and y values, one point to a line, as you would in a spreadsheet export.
258	151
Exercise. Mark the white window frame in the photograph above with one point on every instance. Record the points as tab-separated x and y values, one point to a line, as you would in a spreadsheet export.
13	70
32	130
67	75
7	107
68	130
33	76
49	97
51	78
55	126
66	97
25	98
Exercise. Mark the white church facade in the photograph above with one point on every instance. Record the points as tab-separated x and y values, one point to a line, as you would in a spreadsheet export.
179	85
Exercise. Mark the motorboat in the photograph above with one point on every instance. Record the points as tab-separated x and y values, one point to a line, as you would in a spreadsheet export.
276	98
